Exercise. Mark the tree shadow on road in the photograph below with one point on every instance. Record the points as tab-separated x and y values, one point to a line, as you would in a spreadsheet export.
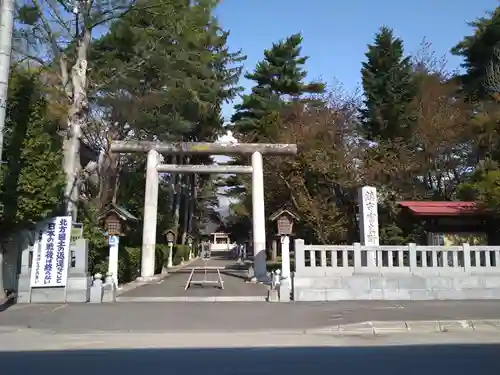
408	360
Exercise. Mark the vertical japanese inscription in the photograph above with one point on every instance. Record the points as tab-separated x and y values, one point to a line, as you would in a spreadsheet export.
37	263
49	254
61	249
370	198
369	216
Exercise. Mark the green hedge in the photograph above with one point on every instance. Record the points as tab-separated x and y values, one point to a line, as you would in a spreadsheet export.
129	261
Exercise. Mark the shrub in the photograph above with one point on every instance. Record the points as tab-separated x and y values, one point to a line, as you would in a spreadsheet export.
129	264
161	257
129	260
181	252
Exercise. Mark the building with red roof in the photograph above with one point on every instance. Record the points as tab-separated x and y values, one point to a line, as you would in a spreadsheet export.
450	223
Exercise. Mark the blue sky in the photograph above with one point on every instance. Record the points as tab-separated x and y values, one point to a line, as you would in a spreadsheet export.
336	33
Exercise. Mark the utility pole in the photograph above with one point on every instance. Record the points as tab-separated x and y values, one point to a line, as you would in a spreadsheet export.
6	26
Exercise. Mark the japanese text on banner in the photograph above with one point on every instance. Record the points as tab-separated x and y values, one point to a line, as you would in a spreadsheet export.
51	252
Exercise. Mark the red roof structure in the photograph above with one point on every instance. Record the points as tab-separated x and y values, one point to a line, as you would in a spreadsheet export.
429	208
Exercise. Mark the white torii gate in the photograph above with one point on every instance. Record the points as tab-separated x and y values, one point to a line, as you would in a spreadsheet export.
154	149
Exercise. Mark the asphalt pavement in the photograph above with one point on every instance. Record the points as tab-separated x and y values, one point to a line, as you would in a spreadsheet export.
233	274
234	316
255	355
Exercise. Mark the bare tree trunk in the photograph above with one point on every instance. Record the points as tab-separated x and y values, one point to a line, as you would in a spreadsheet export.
109	176
77	120
192	202
274	252
177	196
186	192
185	210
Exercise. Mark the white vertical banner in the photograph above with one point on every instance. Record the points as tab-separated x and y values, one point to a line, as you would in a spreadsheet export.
51	253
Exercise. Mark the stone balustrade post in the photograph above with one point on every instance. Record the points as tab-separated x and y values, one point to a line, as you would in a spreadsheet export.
276	278
299	256
109	288
412	253
467	261
96	290
357	256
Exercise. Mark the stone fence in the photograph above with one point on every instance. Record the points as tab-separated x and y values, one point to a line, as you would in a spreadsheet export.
354	272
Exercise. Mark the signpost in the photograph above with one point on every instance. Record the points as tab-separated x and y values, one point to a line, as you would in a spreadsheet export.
284	219
114	244
170	236
114	218
206	254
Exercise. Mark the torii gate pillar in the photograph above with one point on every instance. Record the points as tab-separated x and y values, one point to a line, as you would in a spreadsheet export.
150	216
258	217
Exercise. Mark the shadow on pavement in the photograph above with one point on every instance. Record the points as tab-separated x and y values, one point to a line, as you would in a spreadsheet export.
8	301
408	360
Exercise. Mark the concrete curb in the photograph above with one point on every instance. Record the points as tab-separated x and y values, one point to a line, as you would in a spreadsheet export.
423	326
155	279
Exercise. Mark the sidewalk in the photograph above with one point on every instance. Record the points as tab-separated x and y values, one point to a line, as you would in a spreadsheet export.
33	340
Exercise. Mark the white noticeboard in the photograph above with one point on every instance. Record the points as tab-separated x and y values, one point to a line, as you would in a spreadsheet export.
51	253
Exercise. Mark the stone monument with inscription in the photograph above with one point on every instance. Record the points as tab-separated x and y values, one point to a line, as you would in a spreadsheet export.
368	222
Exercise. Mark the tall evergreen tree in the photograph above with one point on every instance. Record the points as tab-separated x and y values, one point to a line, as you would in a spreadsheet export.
478	52
388	88
279	78
31	180
168	70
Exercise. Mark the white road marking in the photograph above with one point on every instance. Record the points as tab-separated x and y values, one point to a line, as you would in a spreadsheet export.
58	308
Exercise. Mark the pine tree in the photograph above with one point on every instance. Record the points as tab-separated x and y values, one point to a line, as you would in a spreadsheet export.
388	86
279	78
479	50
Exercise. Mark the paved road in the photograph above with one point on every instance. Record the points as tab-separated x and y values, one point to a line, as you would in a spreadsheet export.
234	276
298	355
234	316
173	286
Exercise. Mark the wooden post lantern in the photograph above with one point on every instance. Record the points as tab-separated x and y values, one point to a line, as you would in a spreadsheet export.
170	235
284	219
115	218
189	239
113	225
